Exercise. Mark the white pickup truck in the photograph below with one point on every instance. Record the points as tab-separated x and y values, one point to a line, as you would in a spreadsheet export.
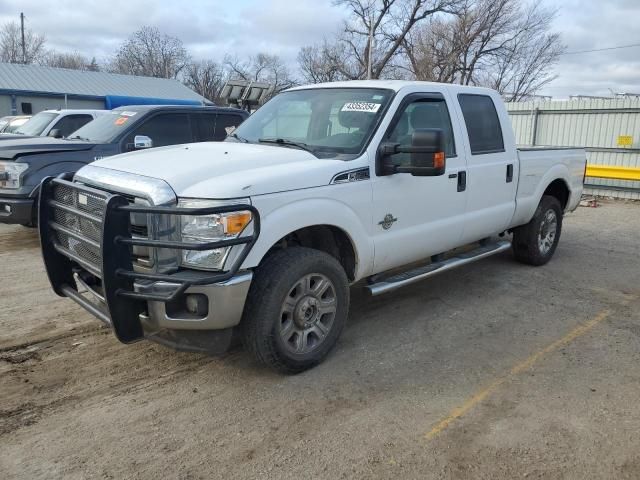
54	123
388	182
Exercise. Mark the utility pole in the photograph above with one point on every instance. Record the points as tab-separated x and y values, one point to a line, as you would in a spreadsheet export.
24	49
370	52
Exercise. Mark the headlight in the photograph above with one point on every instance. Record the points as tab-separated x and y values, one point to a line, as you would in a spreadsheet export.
11	173
210	228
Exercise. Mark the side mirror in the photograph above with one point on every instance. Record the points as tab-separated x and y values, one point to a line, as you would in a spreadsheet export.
427	157
55	133
141	142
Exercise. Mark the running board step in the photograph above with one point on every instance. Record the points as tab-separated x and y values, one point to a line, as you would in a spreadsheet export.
387	284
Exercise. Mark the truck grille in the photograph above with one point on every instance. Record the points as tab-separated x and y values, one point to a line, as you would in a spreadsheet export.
86	244
71	214
80	234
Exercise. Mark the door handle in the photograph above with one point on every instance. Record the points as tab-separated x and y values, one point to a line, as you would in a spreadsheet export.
510	173
462	181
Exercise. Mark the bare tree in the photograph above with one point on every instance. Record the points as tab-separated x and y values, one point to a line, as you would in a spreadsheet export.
526	63
504	44
206	78
11	44
323	62
151	53
262	67
73	61
389	22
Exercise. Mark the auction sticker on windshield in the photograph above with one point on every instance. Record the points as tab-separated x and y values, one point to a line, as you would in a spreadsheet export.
121	121
361	107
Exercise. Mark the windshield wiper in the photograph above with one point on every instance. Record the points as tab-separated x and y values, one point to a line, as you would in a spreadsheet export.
78	137
239	138
291	143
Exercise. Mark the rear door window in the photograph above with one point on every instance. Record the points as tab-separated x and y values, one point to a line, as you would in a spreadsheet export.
483	124
205	126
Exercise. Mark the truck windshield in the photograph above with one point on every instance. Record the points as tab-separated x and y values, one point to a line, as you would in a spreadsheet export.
105	128
36	124
328	122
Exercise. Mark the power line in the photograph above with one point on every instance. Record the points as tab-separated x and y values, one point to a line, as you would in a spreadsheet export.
602	49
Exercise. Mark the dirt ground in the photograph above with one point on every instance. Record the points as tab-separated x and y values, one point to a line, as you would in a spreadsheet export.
496	371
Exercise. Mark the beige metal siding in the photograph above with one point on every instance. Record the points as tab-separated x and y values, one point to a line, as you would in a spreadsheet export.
41	103
594	124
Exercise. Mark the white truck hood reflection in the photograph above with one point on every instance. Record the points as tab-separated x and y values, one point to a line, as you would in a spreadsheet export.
228	169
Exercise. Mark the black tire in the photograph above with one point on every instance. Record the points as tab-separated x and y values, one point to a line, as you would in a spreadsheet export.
527	246
268	318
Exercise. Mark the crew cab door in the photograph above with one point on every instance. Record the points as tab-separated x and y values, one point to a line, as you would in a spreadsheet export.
492	166
416	217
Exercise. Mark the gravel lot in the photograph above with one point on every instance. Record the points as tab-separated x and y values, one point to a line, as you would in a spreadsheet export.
496	370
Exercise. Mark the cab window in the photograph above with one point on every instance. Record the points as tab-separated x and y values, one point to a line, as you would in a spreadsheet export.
164	129
483	124
421	114
70	123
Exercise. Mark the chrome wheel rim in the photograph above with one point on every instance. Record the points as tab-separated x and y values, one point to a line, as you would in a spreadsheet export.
308	313
547	232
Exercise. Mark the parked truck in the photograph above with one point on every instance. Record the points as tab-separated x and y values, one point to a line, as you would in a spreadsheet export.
11	123
384	183
25	162
53	123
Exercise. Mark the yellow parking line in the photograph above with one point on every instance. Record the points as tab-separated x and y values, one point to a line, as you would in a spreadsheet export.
516	369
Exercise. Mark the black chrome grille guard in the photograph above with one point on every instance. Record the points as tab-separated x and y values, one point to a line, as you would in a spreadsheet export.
123	305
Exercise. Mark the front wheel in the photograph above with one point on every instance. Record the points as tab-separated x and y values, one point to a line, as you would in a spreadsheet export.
536	242
297	306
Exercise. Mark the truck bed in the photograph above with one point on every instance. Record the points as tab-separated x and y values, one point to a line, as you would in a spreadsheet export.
539	166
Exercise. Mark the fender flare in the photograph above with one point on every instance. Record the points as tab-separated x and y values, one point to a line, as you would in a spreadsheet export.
296	215
526	206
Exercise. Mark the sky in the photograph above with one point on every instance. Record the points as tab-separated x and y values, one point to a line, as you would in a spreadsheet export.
211	29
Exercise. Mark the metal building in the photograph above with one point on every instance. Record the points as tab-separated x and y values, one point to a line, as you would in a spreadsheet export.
29	89
609	129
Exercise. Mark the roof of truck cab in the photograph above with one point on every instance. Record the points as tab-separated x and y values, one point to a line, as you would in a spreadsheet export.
395	85
209	108
75	110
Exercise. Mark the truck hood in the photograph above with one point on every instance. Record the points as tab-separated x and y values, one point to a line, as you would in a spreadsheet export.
10	149
227	169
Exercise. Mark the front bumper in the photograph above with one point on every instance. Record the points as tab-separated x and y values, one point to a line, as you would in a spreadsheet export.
87	248
16	211
224	305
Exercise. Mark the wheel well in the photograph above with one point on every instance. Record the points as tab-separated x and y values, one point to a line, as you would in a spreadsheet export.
326	238
558	189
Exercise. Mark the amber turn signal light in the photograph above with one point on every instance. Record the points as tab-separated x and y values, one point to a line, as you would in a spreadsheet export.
235	223
438	160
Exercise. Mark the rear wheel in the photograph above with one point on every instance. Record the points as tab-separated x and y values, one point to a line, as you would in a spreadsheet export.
536	242
297	306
